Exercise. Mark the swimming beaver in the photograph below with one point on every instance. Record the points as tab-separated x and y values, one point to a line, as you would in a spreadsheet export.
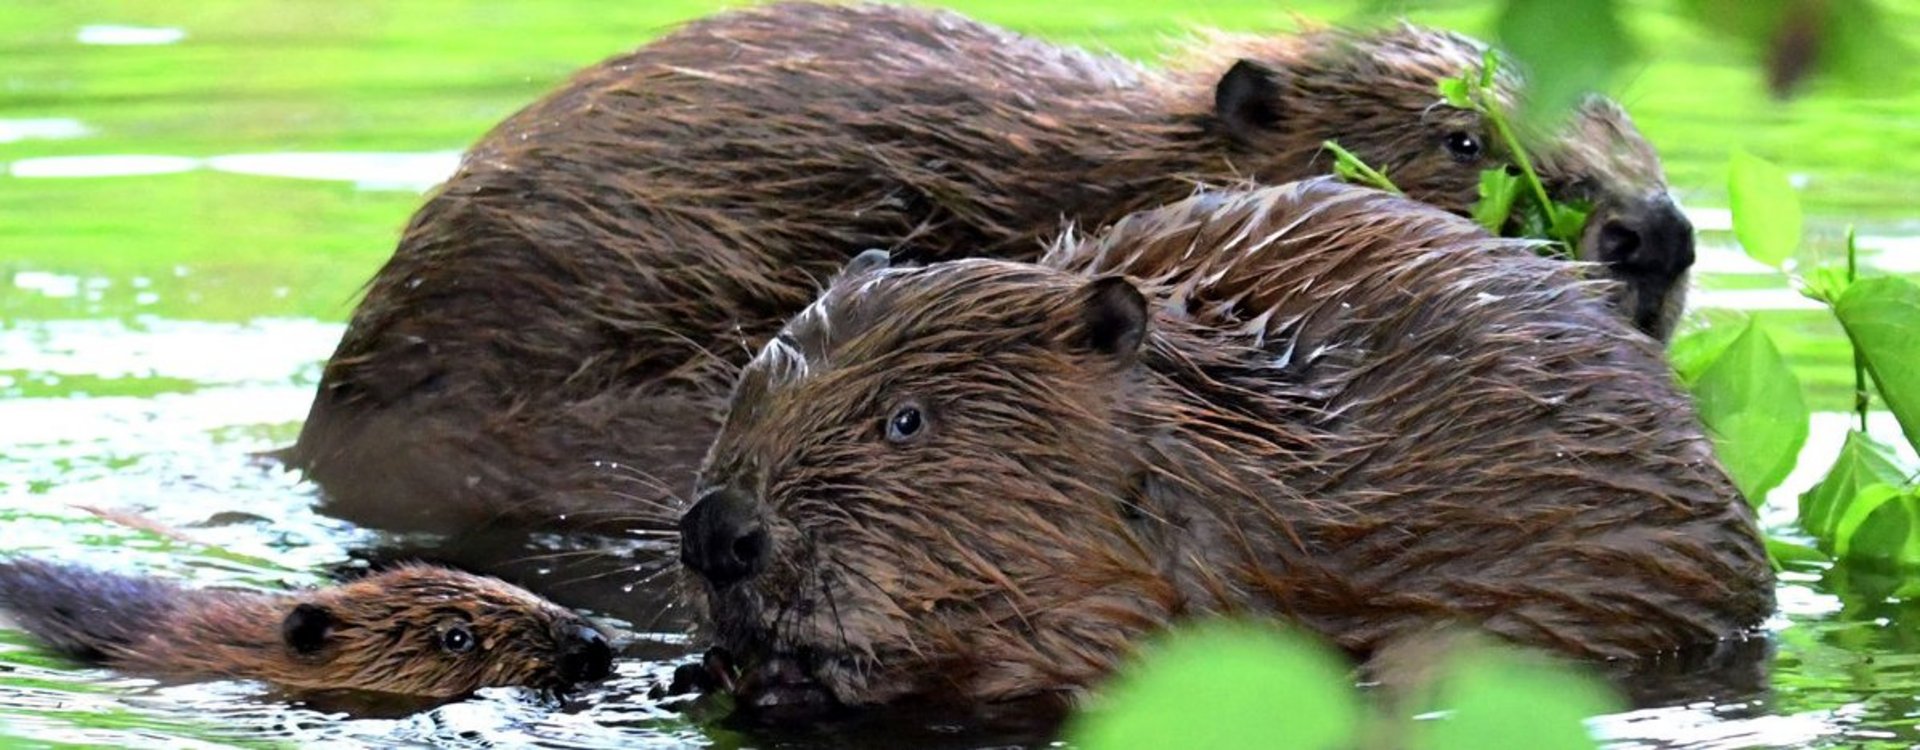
412	630
552	339
983	479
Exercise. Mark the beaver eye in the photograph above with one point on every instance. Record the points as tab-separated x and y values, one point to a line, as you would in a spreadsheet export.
905	423
1463	146
458	639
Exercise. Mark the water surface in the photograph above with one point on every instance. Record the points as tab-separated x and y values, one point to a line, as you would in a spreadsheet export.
192	194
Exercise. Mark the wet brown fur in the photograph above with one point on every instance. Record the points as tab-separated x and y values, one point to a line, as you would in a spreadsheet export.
552	340
379	633
1350	411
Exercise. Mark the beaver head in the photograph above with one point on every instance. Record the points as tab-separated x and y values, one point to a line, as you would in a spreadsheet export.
986	479
838	531
436	632
1377	94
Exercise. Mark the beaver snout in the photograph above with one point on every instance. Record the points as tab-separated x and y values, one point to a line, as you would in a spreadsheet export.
585	655
1649	237
722	539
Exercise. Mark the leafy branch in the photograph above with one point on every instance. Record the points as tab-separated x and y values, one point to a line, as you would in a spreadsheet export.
1501	189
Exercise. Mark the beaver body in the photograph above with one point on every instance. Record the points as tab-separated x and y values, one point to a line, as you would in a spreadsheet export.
552	340
415	630
982	479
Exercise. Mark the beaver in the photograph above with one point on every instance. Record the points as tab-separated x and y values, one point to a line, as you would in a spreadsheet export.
982	479
552	340
411	630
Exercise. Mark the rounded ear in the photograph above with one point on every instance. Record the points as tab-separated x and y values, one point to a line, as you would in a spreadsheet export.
1112	318
306	627
1247	99
869	260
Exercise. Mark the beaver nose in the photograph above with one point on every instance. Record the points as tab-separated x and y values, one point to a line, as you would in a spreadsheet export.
586	657
721	538
1652	238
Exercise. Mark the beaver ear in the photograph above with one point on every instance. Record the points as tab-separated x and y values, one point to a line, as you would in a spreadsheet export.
306	627
1247	99
867	261
1113	317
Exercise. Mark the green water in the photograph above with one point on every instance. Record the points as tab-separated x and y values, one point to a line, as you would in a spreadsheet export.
192	193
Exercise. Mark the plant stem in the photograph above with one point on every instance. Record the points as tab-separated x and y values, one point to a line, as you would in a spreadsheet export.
1859	362
1491	111
1366	172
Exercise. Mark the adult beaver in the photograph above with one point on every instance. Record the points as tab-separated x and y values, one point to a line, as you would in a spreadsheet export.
411	630
553	337
983	479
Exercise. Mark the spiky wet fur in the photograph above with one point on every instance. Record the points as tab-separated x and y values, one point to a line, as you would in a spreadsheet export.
552	341
1351	411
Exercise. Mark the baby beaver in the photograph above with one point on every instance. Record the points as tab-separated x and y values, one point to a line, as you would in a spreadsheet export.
413	630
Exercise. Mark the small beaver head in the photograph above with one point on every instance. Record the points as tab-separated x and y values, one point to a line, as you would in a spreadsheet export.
429	631
1377	94
838	531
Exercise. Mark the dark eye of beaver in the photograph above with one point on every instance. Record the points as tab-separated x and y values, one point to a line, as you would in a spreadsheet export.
1463	146
905	423
458	639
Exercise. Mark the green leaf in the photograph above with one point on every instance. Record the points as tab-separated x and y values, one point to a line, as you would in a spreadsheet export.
1825	284
1226	685
1766	212
1567	48
1879	526
1454	90
1568	220
1782	551
1862	463
1497	192
1693	353
1496	699
1882	317
1752	406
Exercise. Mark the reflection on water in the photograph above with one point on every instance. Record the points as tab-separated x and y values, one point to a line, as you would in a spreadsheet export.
367	171
49	128
113	35
188	203
120	165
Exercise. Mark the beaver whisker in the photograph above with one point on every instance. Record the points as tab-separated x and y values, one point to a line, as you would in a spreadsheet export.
642	581
839	624
570	555
887	596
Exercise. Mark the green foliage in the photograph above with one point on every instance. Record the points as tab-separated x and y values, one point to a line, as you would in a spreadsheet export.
1752	406
1784	553
1766	213
1350	168
1513	203
1880	525
1498	190
1882	318
1862	463
1227	685
1495	698
1864	509
1540	33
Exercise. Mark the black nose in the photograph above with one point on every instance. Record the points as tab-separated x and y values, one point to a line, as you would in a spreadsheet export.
586	657
1650	239
721	538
